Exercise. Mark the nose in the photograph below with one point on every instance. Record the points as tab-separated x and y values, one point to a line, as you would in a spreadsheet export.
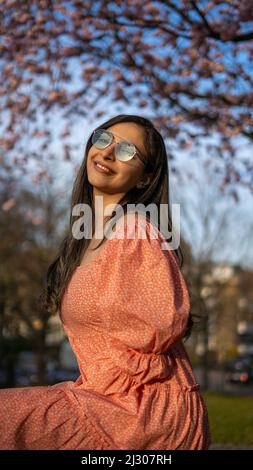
109	152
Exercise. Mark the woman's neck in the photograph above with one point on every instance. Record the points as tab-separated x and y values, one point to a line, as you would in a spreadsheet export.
104	204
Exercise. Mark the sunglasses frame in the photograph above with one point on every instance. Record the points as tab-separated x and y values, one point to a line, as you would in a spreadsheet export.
112	139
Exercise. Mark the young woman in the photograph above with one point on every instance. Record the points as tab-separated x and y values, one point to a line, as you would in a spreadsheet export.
124	305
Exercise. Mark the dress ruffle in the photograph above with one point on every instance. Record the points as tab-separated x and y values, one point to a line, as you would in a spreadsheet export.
140	368
46	418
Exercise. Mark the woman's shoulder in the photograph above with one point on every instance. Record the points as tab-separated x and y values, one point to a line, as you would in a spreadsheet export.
135	225
136	231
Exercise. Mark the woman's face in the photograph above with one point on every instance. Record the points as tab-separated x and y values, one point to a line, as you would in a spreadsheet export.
125	174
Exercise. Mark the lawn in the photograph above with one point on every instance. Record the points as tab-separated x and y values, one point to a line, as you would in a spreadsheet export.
231	418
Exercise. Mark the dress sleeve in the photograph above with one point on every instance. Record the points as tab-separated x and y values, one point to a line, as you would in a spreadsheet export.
145	301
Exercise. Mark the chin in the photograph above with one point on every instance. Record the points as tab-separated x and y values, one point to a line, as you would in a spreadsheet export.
100	185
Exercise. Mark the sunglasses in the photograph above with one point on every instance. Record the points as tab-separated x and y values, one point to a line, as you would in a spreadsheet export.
124	150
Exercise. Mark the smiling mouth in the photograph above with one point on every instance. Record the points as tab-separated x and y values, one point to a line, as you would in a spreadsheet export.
103	169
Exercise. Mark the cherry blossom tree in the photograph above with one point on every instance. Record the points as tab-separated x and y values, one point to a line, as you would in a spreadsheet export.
187	64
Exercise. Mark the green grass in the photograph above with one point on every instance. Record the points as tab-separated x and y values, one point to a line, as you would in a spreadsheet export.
230	417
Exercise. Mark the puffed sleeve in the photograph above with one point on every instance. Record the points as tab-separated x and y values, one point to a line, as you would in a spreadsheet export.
145	302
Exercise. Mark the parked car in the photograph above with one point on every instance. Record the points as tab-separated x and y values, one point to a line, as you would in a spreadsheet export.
240	370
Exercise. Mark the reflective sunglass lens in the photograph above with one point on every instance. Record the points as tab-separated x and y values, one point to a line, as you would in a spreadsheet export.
124	151
101	139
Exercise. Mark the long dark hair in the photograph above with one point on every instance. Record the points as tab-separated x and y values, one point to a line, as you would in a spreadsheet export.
71	249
